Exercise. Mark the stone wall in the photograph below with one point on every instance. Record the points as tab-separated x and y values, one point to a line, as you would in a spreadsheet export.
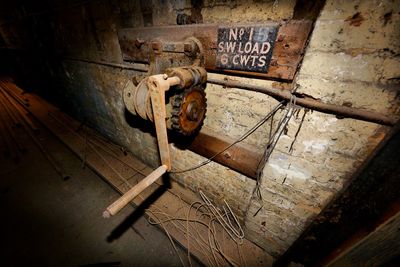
352	59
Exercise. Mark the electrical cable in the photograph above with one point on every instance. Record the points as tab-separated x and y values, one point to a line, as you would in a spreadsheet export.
213	216
290	107
243	137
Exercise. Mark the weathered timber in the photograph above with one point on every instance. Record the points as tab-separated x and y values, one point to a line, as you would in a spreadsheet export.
241	158
376	249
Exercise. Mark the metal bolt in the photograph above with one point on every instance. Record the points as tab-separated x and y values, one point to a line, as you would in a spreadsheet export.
190	48
187	47
138	42
156	46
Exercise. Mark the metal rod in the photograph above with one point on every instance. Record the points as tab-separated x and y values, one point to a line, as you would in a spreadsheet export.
307	102
53	162
8	148
124	200
111	64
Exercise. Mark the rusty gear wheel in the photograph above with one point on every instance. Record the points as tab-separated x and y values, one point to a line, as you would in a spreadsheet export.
188	110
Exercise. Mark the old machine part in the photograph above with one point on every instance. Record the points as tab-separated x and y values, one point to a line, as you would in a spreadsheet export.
185	114
174	100
171	94
185	102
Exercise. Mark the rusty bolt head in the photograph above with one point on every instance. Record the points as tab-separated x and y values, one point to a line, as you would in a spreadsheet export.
187	47
190	48
227	155
138	42
156	46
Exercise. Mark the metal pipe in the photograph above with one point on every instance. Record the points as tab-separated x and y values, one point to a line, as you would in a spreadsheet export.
307	102
111	64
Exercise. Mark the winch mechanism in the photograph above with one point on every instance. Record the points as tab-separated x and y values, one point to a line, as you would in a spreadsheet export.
174	100
185	102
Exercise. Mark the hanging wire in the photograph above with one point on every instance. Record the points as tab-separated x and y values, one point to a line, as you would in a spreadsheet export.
243	137
290	109
208	217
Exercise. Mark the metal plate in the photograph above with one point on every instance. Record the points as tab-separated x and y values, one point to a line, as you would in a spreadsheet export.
246	48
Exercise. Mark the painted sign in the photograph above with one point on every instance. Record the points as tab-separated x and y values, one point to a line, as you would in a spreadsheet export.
246	48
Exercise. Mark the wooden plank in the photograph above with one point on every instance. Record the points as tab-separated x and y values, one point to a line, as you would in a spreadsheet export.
287	54
380	246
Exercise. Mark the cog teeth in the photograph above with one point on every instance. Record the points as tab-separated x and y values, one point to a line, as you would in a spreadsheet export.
175	121
177	101
176	112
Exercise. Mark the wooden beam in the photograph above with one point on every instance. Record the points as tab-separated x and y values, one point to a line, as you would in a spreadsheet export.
241	157
376	249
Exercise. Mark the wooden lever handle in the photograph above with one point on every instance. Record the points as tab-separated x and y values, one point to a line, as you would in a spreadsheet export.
158	85
115	207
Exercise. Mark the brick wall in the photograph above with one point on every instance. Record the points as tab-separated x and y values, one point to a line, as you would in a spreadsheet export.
352	58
